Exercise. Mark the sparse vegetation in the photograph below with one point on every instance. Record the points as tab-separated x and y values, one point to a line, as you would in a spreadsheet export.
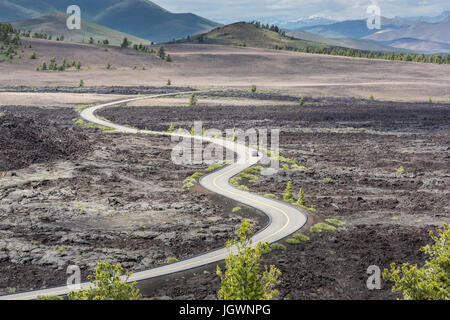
81	83
278	246
320	227
288	196
336	222
253	89
293	241
270	195
301	237
161	53
302	100
171	260
192	100
108	285
401	170
214	167
125	43
301	198
236	209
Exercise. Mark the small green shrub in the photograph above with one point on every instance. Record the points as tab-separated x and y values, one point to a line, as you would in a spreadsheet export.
293	241
336	222
401	170
320	227
193	100
109	284
278	246
253	89
248	176
270	195
214	167
171	260
197	175
301	237
236	209
188	183
253	170
302	100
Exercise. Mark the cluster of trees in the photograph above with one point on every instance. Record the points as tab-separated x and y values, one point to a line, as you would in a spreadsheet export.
394	56
272	27
9	42
41	35
144	48
53	65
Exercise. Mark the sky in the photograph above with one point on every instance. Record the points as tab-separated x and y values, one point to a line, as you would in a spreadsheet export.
226	11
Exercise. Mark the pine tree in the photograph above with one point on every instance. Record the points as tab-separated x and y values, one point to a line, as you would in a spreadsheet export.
288	196
301	198
125	43
429	282
161	52
242	278
192	100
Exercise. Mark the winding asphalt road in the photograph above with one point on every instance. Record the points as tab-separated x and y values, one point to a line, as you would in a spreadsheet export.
284	218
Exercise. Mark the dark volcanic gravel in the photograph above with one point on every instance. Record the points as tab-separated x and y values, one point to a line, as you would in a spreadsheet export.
25	140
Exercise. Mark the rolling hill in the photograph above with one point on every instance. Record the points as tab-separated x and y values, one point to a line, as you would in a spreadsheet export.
55	24
140	18
360	44
418	45
355	28
247	34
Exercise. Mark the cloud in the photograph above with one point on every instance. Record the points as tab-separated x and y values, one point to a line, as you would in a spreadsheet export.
236	10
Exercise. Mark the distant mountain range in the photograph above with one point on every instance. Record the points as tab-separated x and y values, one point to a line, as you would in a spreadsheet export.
140	18
434	19
295	24
55	24
361	44
400	33
144	19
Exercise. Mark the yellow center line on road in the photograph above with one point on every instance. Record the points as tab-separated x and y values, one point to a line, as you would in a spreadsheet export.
213	258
